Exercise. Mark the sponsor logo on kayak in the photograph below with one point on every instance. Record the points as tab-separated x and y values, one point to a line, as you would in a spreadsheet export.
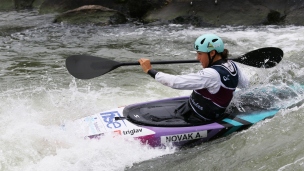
93	125
128	132
117	132
132	131
183	137
109	119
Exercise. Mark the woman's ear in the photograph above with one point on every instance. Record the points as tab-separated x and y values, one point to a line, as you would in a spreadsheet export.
212	53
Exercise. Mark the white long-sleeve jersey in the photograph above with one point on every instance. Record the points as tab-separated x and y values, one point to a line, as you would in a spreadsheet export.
207	78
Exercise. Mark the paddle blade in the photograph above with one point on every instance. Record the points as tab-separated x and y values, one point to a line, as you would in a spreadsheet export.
262	58
87	67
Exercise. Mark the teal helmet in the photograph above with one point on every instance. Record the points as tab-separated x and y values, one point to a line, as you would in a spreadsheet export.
208	42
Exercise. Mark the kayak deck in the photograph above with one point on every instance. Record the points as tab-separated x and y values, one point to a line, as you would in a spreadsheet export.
161	113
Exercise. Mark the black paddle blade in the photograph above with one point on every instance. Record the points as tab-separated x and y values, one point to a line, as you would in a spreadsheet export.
87	67
262	58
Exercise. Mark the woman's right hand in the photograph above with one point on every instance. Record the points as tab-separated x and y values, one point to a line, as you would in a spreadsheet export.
145	64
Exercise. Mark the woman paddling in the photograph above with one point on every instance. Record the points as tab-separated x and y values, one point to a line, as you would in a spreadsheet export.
213	86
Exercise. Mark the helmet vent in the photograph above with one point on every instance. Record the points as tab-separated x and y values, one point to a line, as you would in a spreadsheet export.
203	41
214	40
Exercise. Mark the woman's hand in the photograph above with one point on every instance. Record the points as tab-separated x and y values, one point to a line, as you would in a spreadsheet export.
145	64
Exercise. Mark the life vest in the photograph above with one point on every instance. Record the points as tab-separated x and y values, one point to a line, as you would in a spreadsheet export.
211	106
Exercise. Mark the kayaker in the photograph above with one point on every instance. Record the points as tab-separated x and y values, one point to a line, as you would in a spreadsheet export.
213	86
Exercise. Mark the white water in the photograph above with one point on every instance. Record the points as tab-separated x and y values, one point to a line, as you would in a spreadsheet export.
38	96
32	137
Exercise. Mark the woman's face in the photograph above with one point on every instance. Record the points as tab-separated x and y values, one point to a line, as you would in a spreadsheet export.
203	58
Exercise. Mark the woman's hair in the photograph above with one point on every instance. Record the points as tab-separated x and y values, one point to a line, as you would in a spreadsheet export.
225	54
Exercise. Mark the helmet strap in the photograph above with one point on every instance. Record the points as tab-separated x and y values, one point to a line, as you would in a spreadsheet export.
211	59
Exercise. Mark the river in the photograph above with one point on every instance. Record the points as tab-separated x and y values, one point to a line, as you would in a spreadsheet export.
38	96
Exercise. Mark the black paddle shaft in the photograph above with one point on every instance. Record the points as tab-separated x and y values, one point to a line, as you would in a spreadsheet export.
87	67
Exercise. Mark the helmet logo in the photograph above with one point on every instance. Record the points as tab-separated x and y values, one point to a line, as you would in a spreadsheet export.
210	45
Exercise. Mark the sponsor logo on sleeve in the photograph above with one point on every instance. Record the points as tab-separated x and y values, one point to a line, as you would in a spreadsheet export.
183	137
